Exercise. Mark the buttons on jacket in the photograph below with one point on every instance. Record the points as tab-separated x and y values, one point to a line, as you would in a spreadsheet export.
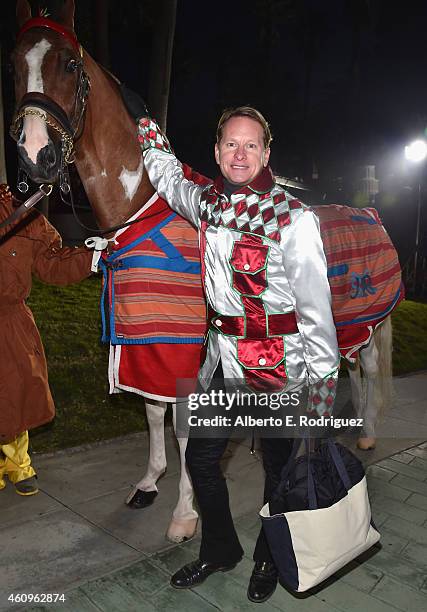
218	322
262	361
246	266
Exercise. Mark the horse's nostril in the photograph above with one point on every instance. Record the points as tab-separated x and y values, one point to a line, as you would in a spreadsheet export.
46	157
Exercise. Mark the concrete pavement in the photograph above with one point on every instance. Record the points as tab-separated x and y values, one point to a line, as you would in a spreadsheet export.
78	538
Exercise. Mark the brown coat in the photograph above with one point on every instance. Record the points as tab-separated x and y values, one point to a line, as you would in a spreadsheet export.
32	247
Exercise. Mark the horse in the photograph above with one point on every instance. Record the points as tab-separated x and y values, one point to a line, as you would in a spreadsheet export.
366	286
58	121
62	117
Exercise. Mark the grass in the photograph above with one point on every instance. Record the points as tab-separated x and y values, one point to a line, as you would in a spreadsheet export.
69	322
409	337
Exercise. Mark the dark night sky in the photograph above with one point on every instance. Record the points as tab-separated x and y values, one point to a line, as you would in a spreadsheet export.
342	82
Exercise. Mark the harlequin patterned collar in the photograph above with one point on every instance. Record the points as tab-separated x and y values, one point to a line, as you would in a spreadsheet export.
250	210
263	183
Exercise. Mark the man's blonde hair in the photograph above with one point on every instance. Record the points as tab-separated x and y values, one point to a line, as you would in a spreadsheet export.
245	111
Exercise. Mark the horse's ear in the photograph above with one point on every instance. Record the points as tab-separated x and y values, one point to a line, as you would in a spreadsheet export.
23	12
66	16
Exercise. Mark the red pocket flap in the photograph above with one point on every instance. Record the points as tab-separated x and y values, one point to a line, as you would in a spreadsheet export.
249	258
260	354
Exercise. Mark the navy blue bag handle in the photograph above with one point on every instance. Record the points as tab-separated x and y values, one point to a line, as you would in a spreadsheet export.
312	498
339	464
286	470
311	489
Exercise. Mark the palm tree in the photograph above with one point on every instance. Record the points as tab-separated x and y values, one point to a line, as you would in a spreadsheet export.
101	14
160	69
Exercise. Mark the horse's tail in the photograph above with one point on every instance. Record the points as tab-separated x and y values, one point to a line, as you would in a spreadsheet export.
384	380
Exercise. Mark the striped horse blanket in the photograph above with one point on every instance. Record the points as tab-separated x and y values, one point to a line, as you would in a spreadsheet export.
363	270
152	304
153	310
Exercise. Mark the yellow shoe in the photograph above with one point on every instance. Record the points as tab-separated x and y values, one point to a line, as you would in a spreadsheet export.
2	484
366	443
27	487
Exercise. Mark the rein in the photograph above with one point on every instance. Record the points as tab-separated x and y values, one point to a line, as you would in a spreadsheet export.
46	190
109	230
43	190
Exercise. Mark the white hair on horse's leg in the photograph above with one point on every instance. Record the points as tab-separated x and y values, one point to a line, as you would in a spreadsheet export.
104	173
383	336
36	136
356	384
184	509
184	519
369	361
131	179
157	459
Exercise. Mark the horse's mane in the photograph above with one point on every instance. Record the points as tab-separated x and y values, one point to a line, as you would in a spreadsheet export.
134	103
110	74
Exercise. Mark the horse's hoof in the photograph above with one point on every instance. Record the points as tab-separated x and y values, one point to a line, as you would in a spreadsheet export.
366	443
181	531
140	499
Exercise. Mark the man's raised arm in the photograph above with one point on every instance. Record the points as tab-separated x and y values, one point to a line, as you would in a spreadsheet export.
166	173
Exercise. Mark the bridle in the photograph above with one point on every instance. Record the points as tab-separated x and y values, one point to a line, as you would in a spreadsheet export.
40	105
69	128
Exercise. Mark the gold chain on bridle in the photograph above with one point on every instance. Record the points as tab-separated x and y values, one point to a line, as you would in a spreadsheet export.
67	140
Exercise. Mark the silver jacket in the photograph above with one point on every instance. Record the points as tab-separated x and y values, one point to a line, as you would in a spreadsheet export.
265	279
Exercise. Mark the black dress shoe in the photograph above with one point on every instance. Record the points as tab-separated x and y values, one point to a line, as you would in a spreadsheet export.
263	581
196	572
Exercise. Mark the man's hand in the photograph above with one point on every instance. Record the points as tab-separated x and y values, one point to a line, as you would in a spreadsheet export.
150	136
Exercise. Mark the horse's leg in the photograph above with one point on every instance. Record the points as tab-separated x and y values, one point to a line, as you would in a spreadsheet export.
361	396
184	519
376	362
357	387
145	491
369	363
384	341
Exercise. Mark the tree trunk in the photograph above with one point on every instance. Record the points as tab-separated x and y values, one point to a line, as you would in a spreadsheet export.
161	63
3	178
101	26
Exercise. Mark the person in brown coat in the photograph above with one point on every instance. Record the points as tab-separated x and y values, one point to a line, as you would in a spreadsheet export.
30	246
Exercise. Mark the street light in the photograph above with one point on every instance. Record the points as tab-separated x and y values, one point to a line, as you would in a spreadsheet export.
416	152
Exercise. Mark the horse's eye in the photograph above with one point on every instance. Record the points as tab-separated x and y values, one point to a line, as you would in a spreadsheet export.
72	65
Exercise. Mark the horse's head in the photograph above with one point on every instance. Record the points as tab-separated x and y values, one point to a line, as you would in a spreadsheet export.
51	91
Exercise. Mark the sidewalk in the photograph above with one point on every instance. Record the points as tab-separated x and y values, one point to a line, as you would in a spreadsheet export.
78	538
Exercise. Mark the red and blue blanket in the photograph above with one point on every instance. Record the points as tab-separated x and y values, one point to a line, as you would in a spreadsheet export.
152	305
363	270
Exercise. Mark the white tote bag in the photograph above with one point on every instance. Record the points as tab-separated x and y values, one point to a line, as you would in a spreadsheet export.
310	545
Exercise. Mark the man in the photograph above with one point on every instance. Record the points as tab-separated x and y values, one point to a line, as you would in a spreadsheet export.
264	274
30	246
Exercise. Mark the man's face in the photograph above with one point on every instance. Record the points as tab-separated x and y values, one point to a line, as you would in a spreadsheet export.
240	154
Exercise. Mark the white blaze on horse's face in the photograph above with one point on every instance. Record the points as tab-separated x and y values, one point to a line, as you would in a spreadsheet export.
36	136
131	179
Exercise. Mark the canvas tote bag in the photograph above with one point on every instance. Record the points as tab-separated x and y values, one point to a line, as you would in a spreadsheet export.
326	520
